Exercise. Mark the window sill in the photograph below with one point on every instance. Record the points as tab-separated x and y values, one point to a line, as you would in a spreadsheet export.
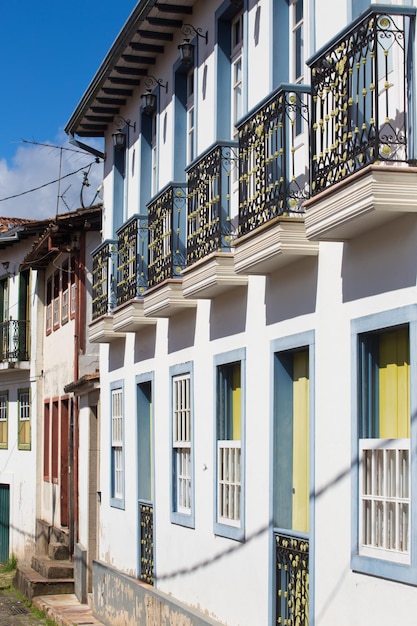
229	532
183	519
388	570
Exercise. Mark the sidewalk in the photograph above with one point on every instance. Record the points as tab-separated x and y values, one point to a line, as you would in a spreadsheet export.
65	610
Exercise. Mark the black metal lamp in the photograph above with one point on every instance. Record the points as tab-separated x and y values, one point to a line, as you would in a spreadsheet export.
186	53
148	102
186	48
149	98
119	140
119	137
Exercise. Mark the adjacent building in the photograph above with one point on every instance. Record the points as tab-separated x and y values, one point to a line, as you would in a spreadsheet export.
254	299
45	357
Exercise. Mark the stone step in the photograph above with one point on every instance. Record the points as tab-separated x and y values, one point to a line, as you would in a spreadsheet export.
58	551
48	568
31	583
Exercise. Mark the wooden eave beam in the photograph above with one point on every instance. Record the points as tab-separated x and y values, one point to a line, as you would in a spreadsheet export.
180	9
133	58
154	34
100	119
130	71
105	110
132	82
140	46
164	22
115	91
104	100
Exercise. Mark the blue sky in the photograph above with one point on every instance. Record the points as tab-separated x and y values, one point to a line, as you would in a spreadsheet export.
50	51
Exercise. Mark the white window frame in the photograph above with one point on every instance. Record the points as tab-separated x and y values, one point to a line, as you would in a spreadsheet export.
181	425
154	153
229	453
191	112
117	494
229	459
384	491
297	54
236	67
24	415
4	416
383	563
182	437
55	300
65	277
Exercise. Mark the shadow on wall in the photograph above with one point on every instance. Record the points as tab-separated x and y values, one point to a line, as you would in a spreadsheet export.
228	313
291	291
145	341
381	260
181	330
116	354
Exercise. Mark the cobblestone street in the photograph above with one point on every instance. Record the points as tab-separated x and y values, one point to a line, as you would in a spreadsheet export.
14	612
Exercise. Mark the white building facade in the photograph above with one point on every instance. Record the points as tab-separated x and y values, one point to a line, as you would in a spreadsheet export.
255	301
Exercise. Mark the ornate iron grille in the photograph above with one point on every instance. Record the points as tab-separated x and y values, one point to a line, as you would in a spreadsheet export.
104	292
146	543
272	178
132	259
209	226
167	223
292	580
14	340
359	89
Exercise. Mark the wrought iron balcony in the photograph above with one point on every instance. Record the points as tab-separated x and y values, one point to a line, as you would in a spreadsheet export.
132	259
167	227
104	278
273	178
209	226
361	97
292	574
14	341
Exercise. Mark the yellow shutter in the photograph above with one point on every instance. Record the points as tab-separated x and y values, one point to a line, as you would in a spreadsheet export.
394	385
300	504
236	402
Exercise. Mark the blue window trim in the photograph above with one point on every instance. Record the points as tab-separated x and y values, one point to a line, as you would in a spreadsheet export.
224	530
118	503
406	573
183	519
148	377
304	339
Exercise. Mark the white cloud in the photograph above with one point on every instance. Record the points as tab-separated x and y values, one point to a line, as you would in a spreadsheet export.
34	166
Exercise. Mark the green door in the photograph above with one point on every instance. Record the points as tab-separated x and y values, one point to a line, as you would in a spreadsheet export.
4	522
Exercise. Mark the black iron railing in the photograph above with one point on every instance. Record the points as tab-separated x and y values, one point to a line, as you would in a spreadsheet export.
292	580
14	340
167	227
209	225
104	270
360	94
132	259
146	543
273	172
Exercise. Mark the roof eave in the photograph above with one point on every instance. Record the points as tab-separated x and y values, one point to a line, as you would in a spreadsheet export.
136	17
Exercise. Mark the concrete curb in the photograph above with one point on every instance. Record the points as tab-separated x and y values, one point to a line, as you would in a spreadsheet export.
65	610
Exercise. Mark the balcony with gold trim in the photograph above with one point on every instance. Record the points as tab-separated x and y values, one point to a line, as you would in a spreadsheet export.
363	167
210	267
100	329
273	183
167	253
132	276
